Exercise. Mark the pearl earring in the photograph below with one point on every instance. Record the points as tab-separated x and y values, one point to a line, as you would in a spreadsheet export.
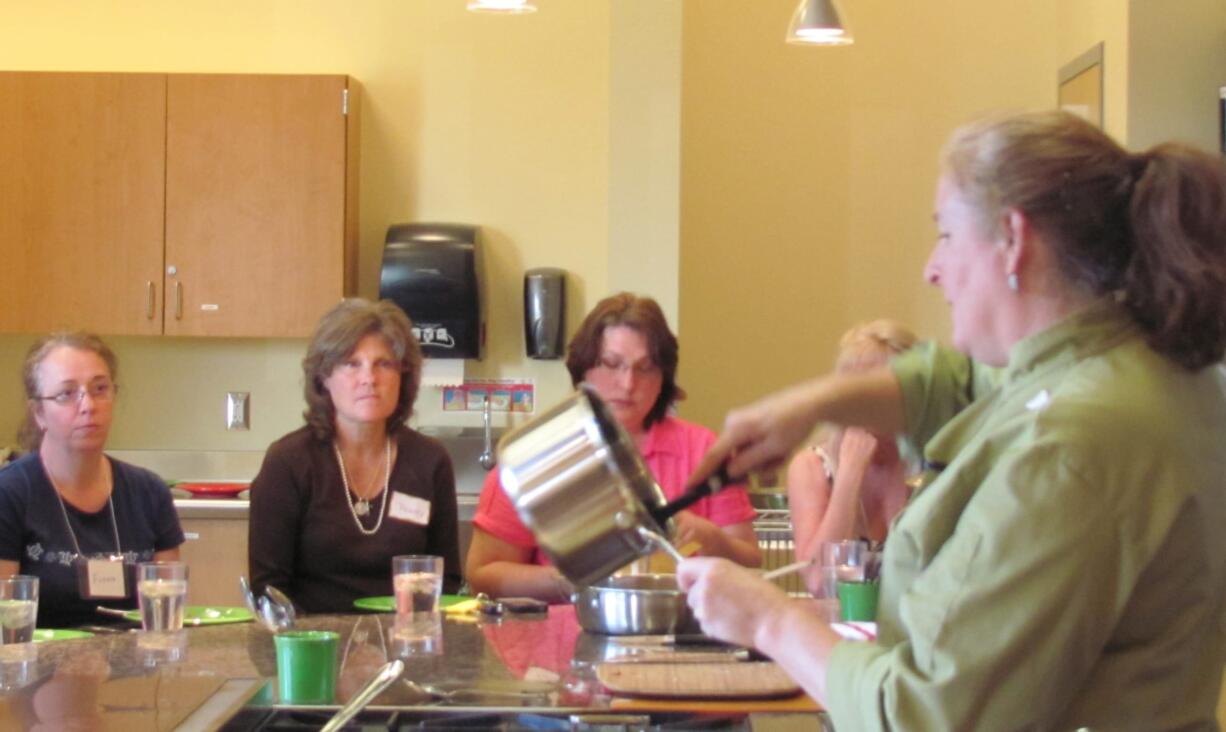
1012	281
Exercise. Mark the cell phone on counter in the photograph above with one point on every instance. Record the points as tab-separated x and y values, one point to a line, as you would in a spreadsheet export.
514	606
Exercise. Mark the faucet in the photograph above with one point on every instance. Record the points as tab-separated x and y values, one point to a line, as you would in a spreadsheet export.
487	459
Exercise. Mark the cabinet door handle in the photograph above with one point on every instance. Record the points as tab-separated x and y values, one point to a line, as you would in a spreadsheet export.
178	301
149	299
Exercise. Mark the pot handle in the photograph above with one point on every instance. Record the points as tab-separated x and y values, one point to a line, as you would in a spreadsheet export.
713	484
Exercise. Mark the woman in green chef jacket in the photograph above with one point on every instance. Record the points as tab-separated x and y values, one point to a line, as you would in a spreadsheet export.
1066	565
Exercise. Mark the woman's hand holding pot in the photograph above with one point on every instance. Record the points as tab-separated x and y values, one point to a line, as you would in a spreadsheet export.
762	435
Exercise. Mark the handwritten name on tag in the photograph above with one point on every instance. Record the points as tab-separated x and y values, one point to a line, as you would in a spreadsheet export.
410	508
106	578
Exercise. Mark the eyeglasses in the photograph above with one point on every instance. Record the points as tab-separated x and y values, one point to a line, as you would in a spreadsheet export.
99	391
642	369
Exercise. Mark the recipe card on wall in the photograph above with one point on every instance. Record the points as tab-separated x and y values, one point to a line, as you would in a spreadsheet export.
505	395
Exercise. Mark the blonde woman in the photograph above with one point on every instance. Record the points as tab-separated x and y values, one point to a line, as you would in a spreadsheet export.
852	483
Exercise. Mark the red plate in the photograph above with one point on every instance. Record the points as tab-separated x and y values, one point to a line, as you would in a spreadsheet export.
213	489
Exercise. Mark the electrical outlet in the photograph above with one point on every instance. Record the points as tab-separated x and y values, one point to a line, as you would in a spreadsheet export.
238	413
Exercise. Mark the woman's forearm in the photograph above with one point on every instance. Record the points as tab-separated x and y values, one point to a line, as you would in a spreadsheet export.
764	433
513	579
839	521
871	400
739	544
797	639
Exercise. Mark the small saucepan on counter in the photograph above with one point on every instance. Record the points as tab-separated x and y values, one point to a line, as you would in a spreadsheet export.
638	604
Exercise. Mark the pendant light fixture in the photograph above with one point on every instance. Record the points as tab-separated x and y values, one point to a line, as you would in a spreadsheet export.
818	23
507	7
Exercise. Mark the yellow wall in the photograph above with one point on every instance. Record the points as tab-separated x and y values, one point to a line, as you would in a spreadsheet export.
807	174
1177	65
497	121
1081	25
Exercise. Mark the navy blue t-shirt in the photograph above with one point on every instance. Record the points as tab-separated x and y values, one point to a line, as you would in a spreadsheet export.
32	532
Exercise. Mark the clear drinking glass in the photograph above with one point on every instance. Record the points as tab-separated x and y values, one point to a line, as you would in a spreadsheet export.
162	589
18	608
417	580
158	649
841	561
419	634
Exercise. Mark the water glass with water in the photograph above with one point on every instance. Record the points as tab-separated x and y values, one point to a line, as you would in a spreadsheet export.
841	561
417	580
162	589
419	634
18	608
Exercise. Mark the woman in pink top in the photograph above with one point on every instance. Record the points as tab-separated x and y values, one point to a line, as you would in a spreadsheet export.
625	350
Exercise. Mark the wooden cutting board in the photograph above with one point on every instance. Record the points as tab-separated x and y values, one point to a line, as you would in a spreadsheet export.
751	680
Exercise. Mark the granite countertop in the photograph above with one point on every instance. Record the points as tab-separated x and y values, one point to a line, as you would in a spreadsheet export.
132	676
135	680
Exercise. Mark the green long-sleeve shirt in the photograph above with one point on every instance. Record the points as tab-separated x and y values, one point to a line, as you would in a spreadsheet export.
1066	567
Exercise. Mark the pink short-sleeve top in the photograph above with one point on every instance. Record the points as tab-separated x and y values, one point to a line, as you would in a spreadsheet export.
671	451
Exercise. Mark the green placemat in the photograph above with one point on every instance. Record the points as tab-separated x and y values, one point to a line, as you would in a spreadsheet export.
51	634
387	603
205	615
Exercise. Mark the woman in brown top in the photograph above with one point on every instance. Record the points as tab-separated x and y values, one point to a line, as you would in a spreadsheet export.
336	499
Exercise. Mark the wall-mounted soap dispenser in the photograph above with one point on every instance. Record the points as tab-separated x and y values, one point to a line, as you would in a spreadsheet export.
431	272
545	312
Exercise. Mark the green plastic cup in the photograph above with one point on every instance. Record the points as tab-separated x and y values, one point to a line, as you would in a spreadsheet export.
858	600
306	666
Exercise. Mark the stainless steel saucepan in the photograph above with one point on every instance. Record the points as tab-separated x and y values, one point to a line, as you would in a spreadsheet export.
577	481
640	604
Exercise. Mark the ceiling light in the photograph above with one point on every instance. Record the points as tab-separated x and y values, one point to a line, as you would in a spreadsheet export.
508	7
817	22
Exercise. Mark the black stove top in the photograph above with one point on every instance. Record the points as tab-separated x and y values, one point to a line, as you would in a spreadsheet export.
252	719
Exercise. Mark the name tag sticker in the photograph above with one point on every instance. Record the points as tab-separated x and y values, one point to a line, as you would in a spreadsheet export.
410	508
105	578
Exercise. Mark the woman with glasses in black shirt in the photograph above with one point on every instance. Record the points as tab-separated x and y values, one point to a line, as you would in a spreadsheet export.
69	515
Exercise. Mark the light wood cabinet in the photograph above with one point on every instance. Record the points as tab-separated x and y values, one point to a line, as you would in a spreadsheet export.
82	201
216	552
183	204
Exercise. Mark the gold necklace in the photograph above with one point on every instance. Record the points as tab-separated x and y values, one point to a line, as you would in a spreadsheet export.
361	507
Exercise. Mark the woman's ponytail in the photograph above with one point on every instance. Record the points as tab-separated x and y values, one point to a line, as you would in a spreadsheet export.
1175	282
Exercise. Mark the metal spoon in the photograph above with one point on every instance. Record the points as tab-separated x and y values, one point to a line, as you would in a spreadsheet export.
661	542
261	608
274	616
284	605
386	675
440	694
248	595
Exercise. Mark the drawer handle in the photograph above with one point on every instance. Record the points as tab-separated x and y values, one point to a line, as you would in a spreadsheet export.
149	291
178	301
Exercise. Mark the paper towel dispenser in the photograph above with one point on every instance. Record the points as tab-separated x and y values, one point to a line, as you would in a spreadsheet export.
431	272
